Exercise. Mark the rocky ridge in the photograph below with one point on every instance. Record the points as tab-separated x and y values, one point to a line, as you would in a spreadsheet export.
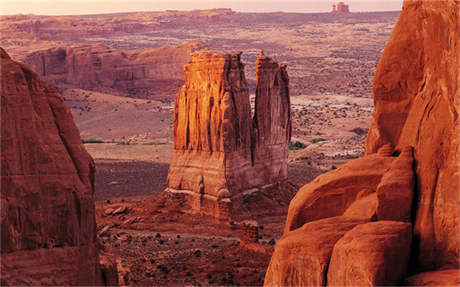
148	73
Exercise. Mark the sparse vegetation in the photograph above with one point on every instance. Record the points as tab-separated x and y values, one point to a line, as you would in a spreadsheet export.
92	141
296	145
156	143
317	140
127	143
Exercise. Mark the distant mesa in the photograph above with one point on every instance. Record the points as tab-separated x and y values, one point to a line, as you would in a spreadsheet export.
147	73
220	152
340	8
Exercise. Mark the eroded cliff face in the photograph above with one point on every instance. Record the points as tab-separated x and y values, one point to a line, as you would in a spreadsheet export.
47	183
417	98
141	73
355	225
219	151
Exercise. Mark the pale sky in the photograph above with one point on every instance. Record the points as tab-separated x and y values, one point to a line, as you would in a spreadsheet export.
78	7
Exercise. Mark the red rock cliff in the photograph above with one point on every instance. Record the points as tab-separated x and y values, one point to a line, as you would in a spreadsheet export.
218	153
417	97
142	73
47	182
408	181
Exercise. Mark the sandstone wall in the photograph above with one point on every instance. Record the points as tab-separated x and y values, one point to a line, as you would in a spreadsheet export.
142	73
408	181
219	151
47	182
417	98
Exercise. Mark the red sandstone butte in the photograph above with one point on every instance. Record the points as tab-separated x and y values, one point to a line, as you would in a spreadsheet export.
410	172
142	73
219	150
47	182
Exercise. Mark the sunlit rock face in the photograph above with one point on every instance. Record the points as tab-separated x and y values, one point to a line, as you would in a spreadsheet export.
220	151
394	212
47	182
140	73
417	100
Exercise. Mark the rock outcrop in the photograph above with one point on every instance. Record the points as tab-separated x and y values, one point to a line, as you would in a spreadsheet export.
219	151
408	181
371	254
417	100
47	182
340	8
147	73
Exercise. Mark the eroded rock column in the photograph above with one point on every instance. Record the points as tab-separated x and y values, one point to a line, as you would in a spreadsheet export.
219	150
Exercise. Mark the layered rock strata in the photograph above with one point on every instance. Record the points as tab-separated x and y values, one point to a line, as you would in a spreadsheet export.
408	181
47	182
142	73
219	151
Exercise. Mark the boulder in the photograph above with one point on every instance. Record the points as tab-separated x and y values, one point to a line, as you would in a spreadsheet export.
330	194
395	190
447	277
371	254
301	257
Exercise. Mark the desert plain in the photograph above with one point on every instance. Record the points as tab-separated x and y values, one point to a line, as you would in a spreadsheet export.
331	61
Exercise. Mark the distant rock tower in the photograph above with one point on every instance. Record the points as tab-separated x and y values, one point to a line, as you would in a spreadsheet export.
340	8
219	150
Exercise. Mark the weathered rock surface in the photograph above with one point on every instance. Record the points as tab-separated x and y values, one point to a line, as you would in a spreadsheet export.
47	208
371	254
219	151
306	251
330	194
416	94
143	73
449	277
395	190
417	104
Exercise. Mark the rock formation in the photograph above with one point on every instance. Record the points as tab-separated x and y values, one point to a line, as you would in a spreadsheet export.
408	181
219	152
417	99
47	182
141	73
340	8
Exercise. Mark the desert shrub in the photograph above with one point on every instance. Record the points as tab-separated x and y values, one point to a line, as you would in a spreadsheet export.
158	235
92	141
359	131
296	145
197	253
272	242
317	140
156	143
